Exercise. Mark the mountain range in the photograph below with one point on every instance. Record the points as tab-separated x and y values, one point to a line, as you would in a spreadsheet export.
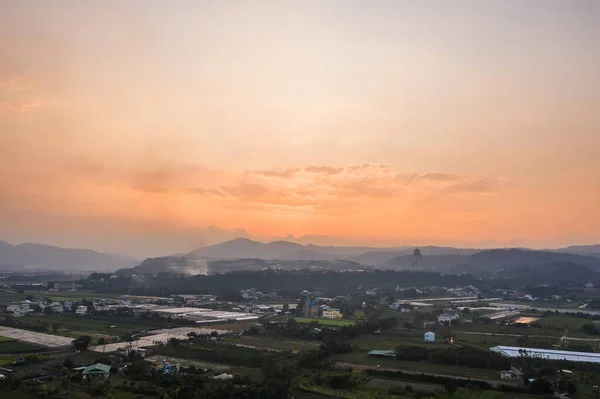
246	254
289	254
44	257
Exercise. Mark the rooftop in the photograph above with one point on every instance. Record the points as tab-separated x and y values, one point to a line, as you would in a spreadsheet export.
550	354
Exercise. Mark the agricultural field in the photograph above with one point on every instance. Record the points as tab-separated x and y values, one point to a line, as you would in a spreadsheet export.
272	343
361	358
325	322
98	326
13	346
393	338
417	386
562	322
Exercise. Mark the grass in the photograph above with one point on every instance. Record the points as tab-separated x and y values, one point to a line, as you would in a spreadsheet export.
417	386
99	325
273	343
393	338
424	367
14	346
325	322
3	339
562	322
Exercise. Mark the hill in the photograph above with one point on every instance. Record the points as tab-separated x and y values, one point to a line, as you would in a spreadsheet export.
38	256
553	273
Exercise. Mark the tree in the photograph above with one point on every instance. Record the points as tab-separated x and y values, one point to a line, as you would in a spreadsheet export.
285	307
214	334
82	342
102	342
64	371
450	387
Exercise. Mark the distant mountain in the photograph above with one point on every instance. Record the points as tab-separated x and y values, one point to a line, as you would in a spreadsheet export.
553	273
247	254
587	250
38	256
246	248
493	260
285	250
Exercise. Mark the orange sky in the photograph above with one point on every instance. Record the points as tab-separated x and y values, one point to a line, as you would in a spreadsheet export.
133	126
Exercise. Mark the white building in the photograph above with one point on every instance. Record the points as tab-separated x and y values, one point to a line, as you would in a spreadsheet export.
81	310
447	317
13	307
429	336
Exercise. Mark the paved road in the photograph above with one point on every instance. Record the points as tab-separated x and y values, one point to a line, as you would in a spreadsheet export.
363	367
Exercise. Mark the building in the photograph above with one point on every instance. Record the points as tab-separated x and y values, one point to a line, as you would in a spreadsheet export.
512	374
311	305
429	336
81	310
549	354
96	371
332	313
448	317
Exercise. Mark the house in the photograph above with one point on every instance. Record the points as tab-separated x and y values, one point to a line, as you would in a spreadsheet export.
96	371
13	307
429	336
332	313
448	317
81	310
512	374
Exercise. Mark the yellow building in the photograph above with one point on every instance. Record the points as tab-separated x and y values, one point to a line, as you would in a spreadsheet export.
332	314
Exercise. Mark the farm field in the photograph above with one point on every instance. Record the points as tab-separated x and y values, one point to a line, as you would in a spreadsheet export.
393	338
325	322
270	343
562	322
417	386
31	339
99	326
14	346
424	367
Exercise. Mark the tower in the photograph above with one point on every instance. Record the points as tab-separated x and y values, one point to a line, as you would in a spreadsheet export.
417	258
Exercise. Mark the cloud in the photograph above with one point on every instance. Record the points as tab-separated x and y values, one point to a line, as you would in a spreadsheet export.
324	169
204	191
282	173
340	189
246	191
16	84
23	106
475	187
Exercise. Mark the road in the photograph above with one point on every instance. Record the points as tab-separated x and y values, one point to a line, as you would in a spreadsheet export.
363	367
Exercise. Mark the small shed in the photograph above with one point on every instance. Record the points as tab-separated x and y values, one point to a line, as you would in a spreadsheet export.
429	336
97	370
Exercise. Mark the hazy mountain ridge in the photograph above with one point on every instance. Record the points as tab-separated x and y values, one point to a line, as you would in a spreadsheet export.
551	273
39	256
245	254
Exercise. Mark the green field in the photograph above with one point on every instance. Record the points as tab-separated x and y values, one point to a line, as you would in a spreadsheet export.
273	343
562	322
2	339
417	386
325	322
13	346
98	326
363	359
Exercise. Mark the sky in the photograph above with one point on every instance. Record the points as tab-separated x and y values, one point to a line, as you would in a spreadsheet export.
153	127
